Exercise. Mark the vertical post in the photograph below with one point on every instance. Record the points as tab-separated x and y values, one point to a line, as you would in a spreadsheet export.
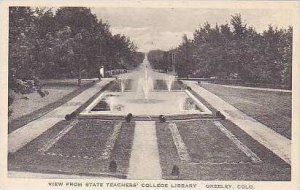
79	70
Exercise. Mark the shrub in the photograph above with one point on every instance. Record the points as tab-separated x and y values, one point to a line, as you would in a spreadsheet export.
113	166
128	117
162	118
175	171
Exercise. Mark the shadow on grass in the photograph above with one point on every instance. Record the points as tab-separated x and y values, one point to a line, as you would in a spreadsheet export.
23	120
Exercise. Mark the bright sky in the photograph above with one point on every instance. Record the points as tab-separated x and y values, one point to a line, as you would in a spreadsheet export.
163	28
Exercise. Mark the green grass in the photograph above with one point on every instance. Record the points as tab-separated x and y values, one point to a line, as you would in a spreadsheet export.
274	109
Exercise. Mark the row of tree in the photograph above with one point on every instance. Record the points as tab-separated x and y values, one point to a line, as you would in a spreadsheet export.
64	44
158	60
232	51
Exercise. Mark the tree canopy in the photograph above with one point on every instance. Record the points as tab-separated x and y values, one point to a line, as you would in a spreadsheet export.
63	43
235	50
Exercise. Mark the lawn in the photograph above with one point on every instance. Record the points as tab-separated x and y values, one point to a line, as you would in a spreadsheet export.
33	101
206	144
87	138
214	157
274	109
79	151
29	107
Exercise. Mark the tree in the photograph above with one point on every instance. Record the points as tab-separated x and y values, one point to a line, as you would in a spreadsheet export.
237	51
156	59
287	42
64	43
22	32
239	28
184	66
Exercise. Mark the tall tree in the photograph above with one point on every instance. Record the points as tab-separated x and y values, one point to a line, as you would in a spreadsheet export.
237	51
22	40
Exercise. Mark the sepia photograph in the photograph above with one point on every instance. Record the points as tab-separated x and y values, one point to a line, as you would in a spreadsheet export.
162	95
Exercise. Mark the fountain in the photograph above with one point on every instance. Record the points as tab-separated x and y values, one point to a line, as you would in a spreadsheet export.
145	83
122	81
111	103
170	82
142	100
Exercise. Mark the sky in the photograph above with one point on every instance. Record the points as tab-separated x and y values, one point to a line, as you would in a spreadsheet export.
163	28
